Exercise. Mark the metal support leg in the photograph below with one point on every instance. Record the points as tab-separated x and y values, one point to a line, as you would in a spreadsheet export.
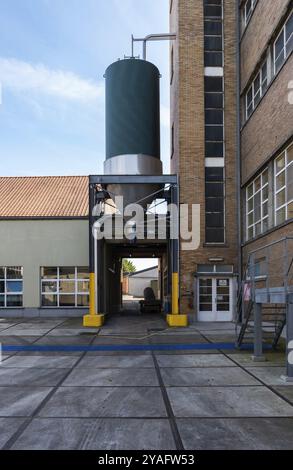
93	319
258	353
289	338
175	318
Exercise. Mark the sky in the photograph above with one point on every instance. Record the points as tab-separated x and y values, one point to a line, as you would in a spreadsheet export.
53	55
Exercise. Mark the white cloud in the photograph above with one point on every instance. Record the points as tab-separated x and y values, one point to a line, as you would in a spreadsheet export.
23	76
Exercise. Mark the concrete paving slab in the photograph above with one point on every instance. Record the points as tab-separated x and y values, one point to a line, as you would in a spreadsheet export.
285	391
95	402
49	353
111	377
192	360
212	376
54	362
17	401
177	339
117	353
272	359
8	427
4	326
269	375
237	434
81	340
210	326
227	402
27	376
121	362
16	340
114	340
72	331
20	332
99	434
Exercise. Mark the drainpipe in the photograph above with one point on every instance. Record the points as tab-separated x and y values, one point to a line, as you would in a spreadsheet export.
238	144
151	37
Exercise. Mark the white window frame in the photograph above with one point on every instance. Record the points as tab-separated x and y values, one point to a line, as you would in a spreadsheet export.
284	50
285	187
58	293
263	201
8	294
248	13
263	85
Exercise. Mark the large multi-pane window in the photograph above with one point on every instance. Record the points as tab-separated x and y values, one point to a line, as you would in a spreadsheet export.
214	193
283	45
213	33
65	286
284	186
277	53
214	117
257	89
11	286
257	205
249	6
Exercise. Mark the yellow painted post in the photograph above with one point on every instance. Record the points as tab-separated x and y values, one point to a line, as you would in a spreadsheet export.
175	294
175	318
93	319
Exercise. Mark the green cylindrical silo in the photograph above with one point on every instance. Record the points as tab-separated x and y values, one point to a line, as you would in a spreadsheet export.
132	108
133	127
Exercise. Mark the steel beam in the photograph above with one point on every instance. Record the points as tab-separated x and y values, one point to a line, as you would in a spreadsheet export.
133	179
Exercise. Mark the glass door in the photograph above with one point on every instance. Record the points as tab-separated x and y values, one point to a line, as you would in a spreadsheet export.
214	295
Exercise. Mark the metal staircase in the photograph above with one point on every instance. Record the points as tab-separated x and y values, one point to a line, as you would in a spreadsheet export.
275	281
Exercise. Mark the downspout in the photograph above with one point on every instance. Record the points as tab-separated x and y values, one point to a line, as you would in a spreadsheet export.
238	144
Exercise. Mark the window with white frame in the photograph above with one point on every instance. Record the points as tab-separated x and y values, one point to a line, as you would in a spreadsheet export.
65	286
257	205
257	89
283	45
284	186
11	286
249	6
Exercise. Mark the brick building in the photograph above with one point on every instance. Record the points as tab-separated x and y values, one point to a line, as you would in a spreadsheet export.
231	135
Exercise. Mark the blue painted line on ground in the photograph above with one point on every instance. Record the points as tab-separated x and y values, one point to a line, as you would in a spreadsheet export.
126	347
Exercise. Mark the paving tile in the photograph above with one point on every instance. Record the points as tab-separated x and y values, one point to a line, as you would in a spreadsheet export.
192	360
16	340
81	340
54	362
272	359
213	376
269	375
105	402
237	434
8	427
16	331
124	361
178	339
72	331
227	402
96	434
286	391
112	377
17	401
27	376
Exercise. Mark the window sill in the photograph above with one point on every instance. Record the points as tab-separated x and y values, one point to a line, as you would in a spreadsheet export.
268	232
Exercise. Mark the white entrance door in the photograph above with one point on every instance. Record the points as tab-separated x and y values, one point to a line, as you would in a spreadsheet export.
215	299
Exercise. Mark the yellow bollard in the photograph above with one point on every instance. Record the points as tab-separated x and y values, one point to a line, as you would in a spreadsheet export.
175	318
93	319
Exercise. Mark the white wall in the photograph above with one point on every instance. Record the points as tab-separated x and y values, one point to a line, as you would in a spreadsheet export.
138	282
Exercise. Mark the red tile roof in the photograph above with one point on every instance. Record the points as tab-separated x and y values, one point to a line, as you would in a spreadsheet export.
44	196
